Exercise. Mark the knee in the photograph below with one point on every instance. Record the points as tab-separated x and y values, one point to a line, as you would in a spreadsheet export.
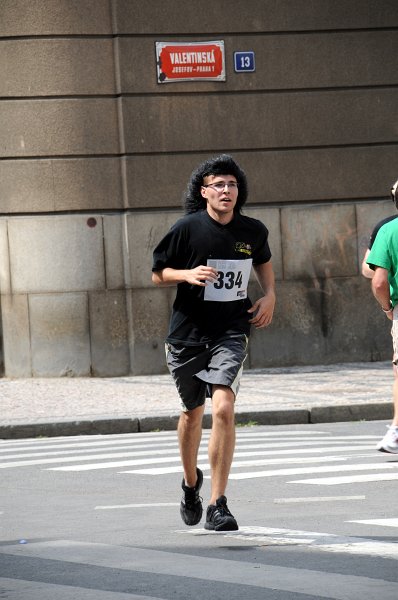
191	418
223	410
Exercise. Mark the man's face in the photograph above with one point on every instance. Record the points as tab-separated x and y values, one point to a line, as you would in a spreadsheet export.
221	194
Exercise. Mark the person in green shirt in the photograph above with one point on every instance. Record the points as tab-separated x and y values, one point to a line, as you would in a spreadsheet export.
383	259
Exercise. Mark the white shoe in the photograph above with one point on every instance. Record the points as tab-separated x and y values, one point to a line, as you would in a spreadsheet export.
389	443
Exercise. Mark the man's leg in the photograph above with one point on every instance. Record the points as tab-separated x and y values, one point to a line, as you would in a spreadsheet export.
222	439
389	443
189	436
221	451
395	396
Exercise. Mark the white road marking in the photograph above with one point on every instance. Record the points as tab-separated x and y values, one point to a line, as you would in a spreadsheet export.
319	499
129	451
249	463
130	463
349	479
19	588
153	504
383	522
325	542
173	564
60	459
140	443
327	469
142	437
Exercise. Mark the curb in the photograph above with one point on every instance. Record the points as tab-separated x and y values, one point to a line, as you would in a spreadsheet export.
105	426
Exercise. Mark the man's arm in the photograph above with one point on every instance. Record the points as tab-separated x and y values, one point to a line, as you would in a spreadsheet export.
381	290
266	304
366	270
199	276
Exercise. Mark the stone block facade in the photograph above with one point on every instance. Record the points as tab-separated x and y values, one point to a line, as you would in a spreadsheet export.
96	155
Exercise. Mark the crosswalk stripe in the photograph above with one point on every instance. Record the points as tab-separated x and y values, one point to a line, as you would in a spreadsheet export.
244	573
138	438
327	469
350	479
20	588
164	440
247	463
161	451
383	522
139	450
129	463
90	444
325	542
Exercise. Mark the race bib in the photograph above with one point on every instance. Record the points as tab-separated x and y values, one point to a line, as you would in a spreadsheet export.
232	282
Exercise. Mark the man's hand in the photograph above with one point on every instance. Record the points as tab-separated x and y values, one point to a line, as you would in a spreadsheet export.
198	276
265	310
201	275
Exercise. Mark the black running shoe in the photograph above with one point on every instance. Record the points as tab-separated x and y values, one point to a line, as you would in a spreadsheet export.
219	518
191	504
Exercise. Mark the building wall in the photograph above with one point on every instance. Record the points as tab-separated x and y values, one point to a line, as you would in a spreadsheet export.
96	154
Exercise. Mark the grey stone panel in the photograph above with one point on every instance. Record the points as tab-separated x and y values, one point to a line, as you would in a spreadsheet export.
110	356
132	16
271	219
60	336
5	275
60	184
159	180
368	215
59	127
51	67
355	328
16	335
144	231
270	121
113	247
26	186
295	336
54	17
282	62
319	242
274	176
56	254
149	315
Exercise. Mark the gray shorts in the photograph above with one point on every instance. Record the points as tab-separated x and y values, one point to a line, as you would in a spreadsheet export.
196	368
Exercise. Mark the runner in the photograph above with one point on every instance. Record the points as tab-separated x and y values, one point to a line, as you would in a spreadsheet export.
208	254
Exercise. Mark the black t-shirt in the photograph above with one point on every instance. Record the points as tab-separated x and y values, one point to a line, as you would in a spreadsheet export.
189	243
377	227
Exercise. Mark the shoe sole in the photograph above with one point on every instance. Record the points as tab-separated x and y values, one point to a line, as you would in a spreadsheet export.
388	450
226	527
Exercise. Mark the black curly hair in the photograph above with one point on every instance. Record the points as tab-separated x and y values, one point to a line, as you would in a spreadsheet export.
218	165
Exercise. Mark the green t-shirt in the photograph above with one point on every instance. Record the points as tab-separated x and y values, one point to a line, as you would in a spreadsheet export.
384	253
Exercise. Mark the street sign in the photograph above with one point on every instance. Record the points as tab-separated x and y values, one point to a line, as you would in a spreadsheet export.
190	61
244	62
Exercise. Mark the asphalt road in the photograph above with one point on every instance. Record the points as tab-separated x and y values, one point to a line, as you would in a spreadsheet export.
97	518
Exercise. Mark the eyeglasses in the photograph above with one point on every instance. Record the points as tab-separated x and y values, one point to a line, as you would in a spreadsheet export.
220	186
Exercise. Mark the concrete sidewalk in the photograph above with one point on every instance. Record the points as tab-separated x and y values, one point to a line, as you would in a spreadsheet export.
311	394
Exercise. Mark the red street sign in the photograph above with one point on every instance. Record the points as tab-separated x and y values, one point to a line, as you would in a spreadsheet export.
190	61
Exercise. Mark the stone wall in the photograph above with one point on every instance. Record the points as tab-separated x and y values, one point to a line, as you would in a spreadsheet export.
95	156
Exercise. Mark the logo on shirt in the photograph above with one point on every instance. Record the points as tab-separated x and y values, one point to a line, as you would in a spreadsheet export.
244	248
